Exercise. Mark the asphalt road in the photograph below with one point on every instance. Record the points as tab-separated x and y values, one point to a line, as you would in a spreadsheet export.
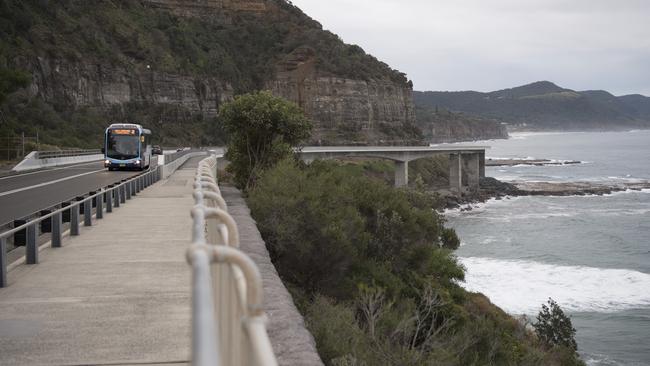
25	194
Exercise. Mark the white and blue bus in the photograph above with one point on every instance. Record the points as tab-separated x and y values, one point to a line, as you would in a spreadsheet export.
127	146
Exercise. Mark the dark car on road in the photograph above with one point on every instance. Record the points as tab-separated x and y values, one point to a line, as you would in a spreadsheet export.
156	150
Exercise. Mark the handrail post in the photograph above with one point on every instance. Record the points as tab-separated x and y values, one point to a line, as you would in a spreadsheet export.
100	206
74	220
3	262
128	188
56	230
88	207
32	246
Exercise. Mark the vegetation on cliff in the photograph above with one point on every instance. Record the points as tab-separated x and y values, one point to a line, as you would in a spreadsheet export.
369	267
138	39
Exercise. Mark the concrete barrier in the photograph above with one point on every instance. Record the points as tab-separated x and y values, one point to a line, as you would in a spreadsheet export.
32	162
169	168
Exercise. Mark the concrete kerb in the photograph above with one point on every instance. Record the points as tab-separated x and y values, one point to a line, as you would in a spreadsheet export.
32	162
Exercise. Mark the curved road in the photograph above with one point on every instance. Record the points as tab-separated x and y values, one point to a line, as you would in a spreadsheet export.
25	194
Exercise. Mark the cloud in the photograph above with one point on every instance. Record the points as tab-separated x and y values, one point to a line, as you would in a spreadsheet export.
487	45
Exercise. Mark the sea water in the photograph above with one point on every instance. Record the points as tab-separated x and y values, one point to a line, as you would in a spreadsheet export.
591	254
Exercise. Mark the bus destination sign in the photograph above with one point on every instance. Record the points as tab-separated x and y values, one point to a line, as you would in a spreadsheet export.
123	132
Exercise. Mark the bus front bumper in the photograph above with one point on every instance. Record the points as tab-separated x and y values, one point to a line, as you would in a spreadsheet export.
122	164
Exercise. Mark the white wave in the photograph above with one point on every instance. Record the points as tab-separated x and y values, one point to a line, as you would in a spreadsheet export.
521	287
601	360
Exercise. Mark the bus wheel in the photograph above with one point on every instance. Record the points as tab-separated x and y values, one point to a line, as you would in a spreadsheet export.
110	168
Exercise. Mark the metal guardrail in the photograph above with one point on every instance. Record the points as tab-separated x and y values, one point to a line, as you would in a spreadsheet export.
105	200
228	321
65	153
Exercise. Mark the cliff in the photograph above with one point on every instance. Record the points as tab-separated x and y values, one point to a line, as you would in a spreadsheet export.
440	126
546	106
170	64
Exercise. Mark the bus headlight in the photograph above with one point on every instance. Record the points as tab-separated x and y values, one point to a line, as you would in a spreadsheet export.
137	162
107	162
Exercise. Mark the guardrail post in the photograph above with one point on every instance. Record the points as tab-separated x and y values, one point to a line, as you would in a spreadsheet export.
3	262
32	247
138	184
88	207
100	206
128	186
74	220
56	230
123	191
109	199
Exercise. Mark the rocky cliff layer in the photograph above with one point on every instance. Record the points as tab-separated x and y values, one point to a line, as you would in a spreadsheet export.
103	86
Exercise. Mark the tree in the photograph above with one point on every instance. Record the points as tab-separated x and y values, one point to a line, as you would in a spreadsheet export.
263	129
554	327
449	239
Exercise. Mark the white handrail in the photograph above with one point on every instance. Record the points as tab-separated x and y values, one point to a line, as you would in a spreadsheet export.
229	324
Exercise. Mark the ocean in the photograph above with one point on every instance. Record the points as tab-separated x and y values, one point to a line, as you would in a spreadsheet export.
591	254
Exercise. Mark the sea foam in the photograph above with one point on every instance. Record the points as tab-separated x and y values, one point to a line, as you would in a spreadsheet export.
521	287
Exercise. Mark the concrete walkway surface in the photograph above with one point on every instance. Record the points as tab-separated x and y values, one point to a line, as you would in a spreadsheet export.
117	294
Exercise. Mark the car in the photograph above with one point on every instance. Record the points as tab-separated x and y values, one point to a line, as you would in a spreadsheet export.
156	150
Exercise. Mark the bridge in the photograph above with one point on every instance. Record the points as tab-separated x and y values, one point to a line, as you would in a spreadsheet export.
466	163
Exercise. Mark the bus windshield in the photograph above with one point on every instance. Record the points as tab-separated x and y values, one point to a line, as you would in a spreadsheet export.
122	147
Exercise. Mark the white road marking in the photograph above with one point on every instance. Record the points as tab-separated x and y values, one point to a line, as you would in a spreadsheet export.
48	183
48	170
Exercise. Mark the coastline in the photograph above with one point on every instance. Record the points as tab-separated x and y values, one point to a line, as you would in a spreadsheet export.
492	188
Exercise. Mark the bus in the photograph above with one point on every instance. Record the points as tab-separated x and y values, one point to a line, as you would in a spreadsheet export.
127	146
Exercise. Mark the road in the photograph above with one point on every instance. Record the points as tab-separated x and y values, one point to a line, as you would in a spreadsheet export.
25	194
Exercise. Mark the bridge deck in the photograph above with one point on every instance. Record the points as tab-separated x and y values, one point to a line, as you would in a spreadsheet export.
393	149
117	294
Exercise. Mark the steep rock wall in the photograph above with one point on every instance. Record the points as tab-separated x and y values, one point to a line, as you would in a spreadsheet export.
101	85
348	111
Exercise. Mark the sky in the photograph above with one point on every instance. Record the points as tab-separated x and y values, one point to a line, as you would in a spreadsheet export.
488	45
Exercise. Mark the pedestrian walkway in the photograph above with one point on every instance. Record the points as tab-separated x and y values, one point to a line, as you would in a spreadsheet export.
118	294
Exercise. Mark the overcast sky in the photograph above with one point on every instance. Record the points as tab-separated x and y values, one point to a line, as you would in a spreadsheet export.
488	45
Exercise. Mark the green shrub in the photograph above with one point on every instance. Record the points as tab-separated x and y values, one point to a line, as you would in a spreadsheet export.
263	129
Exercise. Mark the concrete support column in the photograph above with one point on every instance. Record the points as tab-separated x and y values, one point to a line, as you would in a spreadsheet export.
455	172
472	169
401	173
481	164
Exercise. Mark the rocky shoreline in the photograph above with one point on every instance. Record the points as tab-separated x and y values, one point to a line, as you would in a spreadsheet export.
494	188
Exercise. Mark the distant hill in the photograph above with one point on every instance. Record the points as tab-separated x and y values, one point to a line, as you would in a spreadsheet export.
545	106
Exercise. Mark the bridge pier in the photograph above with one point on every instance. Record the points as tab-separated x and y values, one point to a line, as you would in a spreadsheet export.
455	172
481	164
401	173
471	166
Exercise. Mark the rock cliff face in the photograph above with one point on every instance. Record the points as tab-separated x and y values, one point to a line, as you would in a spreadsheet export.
213	10
345	110
102	86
